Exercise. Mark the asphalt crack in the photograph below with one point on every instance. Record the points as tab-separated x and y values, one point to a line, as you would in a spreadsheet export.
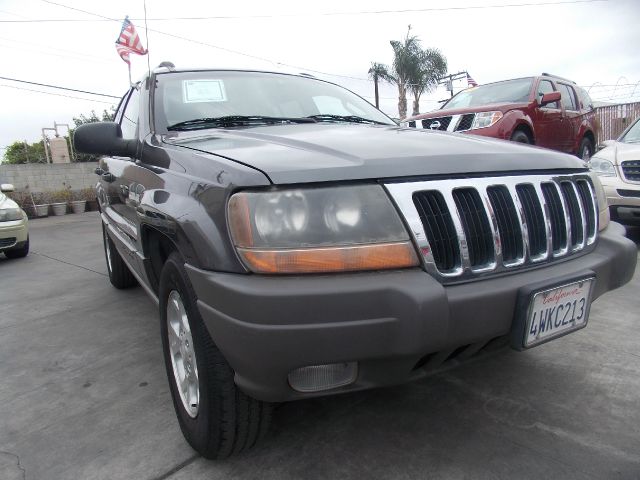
68	263
18	464
178	467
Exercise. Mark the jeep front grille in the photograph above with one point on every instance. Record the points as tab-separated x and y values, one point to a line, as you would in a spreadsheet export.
476	226
631	170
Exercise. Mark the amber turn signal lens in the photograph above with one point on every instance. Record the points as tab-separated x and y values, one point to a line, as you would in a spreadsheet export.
379	256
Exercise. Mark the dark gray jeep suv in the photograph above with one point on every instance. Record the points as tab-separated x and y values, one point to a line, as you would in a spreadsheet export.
299	243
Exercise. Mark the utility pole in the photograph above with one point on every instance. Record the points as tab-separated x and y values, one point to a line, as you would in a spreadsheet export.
46	143
26	150
447	81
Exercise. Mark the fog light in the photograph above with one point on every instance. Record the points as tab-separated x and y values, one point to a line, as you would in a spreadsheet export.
316	378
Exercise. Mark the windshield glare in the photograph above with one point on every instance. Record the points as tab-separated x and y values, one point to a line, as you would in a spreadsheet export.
633	135
193	95
511	91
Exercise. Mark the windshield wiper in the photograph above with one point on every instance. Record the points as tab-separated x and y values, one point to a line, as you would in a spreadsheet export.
344	118
235	121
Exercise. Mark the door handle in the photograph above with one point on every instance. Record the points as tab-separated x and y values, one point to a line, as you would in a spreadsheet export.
98	171
108	177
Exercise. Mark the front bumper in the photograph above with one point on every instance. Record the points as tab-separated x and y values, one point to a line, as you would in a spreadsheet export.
623	199
388	322
13	234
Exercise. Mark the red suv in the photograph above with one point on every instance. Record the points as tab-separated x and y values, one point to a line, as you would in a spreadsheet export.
547	111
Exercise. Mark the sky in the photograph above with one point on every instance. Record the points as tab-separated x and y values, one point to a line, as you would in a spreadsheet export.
70	43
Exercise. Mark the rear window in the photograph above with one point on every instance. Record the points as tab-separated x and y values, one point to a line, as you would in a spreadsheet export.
568	97
585	100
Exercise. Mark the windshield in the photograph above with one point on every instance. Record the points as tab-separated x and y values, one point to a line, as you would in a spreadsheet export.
510	91
252	98
633	134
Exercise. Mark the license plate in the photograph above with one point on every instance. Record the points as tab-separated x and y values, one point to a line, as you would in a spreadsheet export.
558	311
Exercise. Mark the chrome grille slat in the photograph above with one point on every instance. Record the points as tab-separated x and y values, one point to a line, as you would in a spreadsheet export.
457	223
493	224
559	230
511	248
481	208
590	209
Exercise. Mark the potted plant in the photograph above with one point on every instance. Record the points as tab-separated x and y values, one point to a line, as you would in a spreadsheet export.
34	204
89	195
60	200
40	202
78	202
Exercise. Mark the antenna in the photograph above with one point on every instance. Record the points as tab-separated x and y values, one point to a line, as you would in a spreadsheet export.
146	33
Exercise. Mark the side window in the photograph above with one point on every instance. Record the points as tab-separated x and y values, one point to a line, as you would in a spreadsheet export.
129	123
545	86
568	97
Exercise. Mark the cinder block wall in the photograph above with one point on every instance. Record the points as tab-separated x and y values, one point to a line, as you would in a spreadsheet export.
49	177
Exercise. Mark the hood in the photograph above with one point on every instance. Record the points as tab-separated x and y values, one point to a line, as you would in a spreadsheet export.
325	152
619	152
502	107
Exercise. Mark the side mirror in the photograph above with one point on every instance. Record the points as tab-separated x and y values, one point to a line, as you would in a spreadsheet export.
7	188
550	97
103	138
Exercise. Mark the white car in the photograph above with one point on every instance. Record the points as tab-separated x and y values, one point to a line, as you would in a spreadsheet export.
14	229
618	165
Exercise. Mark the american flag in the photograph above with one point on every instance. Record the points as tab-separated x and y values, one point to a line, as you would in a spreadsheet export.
470	81
129	41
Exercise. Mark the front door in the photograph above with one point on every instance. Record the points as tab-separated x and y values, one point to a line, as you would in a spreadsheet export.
548	121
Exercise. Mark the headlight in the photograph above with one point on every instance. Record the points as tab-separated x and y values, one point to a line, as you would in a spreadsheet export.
485	119
10	214
601	197
319	230
602	167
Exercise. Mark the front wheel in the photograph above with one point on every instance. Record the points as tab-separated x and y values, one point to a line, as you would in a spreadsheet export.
586	149
520	137
119	274
216	418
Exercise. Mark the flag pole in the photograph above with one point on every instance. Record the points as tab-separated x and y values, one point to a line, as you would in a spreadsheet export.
130	82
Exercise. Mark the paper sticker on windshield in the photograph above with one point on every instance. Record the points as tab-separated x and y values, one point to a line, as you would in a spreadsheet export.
197	91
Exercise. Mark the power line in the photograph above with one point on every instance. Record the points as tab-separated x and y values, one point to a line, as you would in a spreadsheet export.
55	94
316	14
59	88
236	52
72	52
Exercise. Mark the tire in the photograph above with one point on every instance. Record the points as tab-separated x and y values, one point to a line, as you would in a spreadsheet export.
520	136
217	419
19	252
586	149
119	274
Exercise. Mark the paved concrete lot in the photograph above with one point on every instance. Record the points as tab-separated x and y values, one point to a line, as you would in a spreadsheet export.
84	395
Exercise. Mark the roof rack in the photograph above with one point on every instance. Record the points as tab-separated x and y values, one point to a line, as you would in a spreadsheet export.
545	74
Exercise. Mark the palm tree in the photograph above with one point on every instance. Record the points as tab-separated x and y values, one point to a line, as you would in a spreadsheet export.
378	71
406	56
431	65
